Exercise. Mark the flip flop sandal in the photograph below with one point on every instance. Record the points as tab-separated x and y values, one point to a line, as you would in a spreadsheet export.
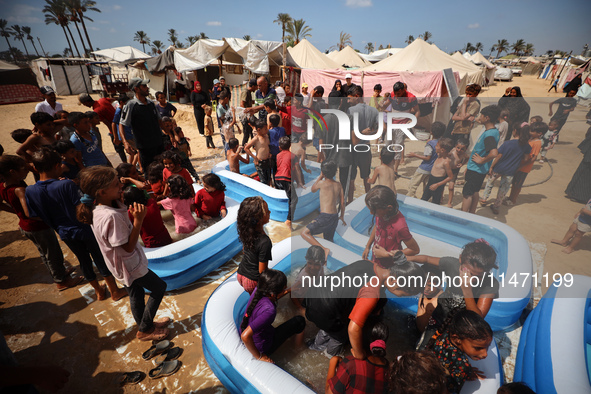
131	378
157	349
167	368
169	355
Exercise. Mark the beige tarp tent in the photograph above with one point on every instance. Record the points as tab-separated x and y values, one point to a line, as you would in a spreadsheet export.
349	58
479	59
421	56
305	55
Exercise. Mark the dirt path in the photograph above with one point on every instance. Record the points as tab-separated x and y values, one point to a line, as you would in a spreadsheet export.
94	339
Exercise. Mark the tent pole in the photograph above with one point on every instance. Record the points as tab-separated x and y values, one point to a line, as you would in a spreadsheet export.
564	65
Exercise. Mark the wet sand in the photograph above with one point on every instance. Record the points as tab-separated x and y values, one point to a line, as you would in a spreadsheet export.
95	339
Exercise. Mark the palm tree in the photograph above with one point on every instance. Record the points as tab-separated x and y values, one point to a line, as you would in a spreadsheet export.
79	7
492	49
344	40
469	47
55	12
19	35
180	45
298	30
192	40
478	47
142	38
550	53
202	36
501	46
529	49
409	39
380	47
73	15
283	20
246	37
157	46
4	32
369	47
68	51
426	36
518	46
172	36
27	31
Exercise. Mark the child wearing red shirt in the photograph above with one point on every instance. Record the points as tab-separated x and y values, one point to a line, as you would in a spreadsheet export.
153	231
210	201
283	176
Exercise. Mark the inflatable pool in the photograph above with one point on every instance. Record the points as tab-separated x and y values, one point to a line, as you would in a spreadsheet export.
239	187
183	262
554	353
442	231
233	364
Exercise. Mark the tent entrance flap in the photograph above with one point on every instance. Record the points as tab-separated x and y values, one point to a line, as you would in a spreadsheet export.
450	84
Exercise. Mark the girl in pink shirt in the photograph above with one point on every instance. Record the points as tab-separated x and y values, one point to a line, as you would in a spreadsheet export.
180	202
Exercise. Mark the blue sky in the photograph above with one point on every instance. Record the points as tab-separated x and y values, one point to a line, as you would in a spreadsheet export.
547	24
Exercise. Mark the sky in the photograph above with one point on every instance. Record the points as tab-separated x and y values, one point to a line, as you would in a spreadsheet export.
548	25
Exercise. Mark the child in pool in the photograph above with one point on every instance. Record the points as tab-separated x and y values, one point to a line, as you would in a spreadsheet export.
253	214
184	150
390	229
418	373
370	375
128	175
234	155
153	231
172	166
155	179
477	259
118	237
180	202
464	335
210	201
315	264
256	331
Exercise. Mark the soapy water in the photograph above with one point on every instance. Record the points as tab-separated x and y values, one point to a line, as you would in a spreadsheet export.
311	366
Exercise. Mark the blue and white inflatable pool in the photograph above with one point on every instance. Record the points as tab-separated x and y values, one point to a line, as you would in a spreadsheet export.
239	187
554	353
233	364
183	262
442	231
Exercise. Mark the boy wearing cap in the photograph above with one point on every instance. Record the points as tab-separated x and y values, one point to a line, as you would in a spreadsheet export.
305	94
50	105
215	92
141	115
349	86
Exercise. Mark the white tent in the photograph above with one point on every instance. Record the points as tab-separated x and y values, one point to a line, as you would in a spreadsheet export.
380	54
349	58
259	55
467	55
65	75
126	54
306	55
478	58
422	56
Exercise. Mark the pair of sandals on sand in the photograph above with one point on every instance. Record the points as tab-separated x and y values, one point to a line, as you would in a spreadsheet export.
166	360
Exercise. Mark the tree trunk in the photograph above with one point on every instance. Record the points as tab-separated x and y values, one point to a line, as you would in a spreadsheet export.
25	45
42	49
81	39
68	39
34	47
144	47
73	41
86	34
10	49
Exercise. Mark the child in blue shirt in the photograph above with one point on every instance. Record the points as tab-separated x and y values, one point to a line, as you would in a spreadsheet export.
421	175
275	133
483	153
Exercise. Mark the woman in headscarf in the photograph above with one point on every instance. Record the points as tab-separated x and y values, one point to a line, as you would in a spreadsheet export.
574	84
517	106
579	188
198	99
338	91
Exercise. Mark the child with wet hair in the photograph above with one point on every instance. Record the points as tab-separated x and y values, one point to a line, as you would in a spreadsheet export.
465	334
155	179
180	202
418	373
210	201
476	261
331	198
369	375
153	231
172	166
253	214
129	175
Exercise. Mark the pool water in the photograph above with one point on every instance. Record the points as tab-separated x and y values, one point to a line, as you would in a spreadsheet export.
168	219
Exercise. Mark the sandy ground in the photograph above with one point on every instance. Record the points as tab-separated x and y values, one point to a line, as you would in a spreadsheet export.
95	340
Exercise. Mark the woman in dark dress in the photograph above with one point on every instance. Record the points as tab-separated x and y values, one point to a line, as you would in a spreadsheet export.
574	84
579	187
198	98
517	106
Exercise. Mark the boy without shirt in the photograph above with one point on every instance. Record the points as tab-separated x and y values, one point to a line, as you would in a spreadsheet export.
440	173
384	173
43	135
234	155
298	149
260	143
331	194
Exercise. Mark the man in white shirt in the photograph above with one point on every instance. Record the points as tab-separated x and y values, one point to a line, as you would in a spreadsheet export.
280	91
50	105
305	94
